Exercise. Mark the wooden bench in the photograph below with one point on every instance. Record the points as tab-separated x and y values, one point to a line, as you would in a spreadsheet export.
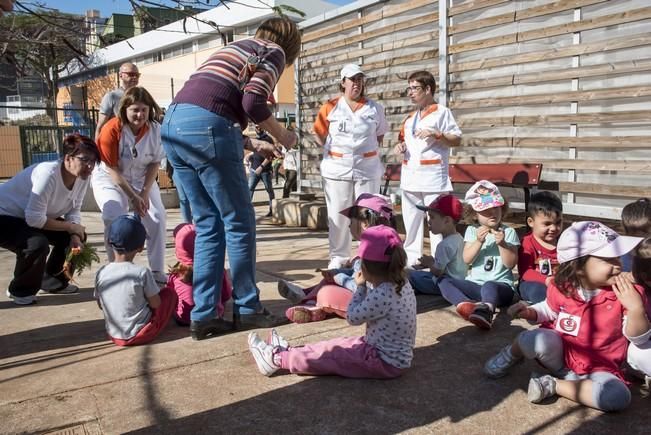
519	175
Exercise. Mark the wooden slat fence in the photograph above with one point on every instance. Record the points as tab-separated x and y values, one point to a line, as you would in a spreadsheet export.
565	83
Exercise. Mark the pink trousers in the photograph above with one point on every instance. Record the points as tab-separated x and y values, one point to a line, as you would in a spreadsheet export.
331	297
348	357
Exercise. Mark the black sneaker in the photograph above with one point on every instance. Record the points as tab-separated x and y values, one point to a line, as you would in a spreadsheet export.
482	317
263	319
209	328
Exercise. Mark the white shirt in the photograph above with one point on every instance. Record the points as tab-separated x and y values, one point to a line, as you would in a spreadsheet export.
425	164
133	169
351	149
290	159
37	193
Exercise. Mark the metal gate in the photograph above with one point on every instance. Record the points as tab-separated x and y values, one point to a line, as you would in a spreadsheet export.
41	143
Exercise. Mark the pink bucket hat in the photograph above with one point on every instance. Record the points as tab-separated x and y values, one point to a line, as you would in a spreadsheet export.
377	203
593	238
184	235
484	195
377	243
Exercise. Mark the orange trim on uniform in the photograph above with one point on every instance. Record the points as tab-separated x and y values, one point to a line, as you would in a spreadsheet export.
321	124
425	162
108	142
359	105
341	155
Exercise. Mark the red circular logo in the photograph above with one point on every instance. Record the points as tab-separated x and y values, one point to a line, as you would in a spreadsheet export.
567	324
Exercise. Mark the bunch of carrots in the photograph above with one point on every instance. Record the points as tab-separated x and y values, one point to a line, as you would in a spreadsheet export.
78	259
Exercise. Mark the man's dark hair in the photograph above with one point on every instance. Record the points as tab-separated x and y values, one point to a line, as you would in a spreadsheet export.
546	203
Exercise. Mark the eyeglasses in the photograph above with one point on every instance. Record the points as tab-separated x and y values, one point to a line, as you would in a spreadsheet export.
134	151
410	89
90	163
130	74
358	79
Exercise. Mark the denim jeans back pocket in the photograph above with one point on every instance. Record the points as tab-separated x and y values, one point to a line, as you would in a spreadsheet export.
195	145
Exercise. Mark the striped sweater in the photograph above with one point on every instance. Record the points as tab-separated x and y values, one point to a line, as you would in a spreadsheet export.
215	85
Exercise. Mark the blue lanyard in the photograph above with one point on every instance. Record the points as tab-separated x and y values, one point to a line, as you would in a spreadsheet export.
414	123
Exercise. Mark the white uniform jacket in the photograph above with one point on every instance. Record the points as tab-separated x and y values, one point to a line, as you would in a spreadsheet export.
132	153
351	147
425	164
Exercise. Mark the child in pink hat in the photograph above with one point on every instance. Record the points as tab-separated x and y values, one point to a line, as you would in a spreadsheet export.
491	252
583	343
384	300
180	275
332	294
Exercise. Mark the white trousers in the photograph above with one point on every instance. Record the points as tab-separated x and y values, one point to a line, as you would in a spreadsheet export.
113	202
414	220
341	194
639	357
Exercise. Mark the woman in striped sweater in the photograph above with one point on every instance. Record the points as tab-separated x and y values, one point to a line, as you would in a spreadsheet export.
202	136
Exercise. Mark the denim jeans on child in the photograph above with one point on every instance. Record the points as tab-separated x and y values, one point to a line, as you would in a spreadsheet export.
456	291
206	151
532	291
424	282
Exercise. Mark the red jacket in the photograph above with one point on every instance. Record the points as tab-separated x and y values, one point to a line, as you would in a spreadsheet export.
530	255
591	331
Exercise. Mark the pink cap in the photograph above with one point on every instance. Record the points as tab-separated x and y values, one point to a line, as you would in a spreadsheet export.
375	202
377	243
184	235
484	195
593	238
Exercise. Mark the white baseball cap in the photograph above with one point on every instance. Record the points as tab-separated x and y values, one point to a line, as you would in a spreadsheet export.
351	70
593	238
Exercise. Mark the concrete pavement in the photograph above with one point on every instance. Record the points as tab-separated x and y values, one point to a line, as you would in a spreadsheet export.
58	373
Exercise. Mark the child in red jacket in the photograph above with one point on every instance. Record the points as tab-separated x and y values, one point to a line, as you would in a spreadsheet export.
585	305
537	255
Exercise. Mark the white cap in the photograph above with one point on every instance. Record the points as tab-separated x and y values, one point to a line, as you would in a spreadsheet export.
350	70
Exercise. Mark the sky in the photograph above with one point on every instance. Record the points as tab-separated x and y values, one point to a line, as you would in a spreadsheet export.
108	7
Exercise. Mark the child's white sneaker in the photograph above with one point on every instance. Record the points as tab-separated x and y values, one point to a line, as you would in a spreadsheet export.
277	341
499	365
540	388
290	291
262	354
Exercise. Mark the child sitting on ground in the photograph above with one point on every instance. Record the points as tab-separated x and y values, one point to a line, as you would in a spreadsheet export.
491	251
135	309
180	276
443	214
384	300
585	305
324	298
636	220
639	351
537	255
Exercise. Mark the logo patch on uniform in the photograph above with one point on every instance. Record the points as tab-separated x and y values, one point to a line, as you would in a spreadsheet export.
568	324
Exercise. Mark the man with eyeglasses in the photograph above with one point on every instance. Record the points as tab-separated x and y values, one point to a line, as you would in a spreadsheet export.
110	105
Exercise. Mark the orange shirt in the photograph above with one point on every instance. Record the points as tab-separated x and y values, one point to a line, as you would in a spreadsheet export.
109	141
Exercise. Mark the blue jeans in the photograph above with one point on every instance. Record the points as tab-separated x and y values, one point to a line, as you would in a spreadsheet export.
184	203
533	291
424	282
265	176
206	151
456	291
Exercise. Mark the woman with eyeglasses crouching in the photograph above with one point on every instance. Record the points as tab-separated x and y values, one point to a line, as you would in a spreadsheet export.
131	153
41	206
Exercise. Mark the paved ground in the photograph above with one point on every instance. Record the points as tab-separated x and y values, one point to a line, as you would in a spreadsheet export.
58	373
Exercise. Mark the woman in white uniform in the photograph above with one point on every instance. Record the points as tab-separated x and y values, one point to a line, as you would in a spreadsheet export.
425	140
350	128
131	151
